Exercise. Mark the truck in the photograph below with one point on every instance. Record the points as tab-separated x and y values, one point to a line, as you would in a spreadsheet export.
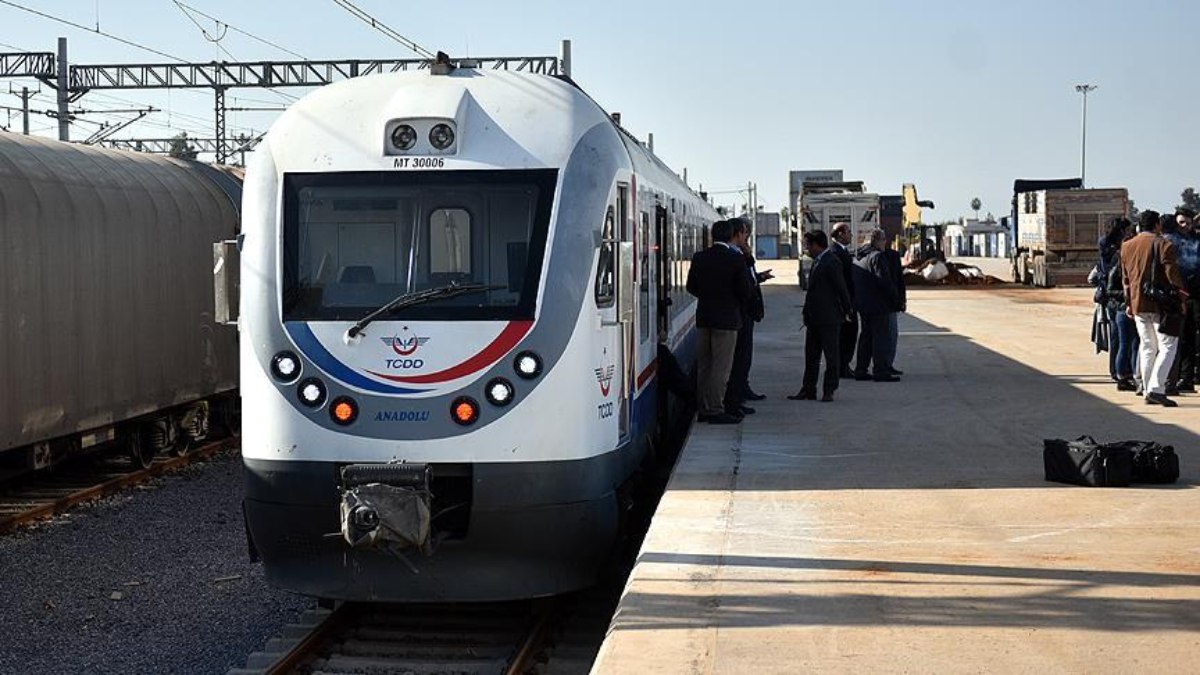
825	204
1059	226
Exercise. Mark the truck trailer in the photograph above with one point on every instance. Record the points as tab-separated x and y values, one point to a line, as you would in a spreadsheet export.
1059	226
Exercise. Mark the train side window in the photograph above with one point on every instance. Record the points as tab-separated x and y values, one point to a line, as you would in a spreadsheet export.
605	271
450	244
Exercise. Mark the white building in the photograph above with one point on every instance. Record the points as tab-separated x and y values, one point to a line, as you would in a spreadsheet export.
970	237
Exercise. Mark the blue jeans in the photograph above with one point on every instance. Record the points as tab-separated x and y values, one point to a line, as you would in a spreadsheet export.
893	337
1123	347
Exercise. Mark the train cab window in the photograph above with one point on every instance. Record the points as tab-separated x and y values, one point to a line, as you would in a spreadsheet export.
606	285
450	245
355	241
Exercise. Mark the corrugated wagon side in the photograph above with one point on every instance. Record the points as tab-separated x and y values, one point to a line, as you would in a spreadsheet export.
106	302
1059	232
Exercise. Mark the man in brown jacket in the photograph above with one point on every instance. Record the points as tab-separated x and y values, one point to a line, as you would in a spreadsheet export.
1137	263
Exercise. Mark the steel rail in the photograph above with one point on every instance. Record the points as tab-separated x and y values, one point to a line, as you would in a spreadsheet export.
108	485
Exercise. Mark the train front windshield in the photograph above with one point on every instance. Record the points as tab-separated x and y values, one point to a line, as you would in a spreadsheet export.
354	241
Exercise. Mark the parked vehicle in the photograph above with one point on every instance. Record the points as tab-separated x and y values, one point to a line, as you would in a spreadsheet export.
1059	225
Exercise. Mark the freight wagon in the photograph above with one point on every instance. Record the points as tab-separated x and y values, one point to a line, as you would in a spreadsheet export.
106	328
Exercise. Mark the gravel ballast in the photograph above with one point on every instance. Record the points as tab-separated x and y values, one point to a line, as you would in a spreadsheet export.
154	580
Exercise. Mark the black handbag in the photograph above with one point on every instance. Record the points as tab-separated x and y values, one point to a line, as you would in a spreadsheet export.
1163	295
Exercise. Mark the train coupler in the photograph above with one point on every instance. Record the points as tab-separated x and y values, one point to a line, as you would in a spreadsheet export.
386	506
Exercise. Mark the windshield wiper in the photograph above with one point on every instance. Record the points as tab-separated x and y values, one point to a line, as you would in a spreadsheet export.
417	298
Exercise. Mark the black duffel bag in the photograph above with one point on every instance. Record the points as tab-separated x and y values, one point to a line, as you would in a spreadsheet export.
1152	462
1083	461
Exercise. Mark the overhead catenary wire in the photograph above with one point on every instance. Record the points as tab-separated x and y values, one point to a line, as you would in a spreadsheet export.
97	31
252	36
383	28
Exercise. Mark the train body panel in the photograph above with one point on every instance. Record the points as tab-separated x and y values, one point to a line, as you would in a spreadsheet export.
106	306
559	225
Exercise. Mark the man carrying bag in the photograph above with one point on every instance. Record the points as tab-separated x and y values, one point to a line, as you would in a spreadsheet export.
1153	286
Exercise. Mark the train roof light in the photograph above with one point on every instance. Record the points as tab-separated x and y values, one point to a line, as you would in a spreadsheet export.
311	392
464	410
404	137
343	410
499	391
528	365
285	366
441	136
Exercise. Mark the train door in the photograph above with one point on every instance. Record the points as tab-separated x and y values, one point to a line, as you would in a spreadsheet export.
662	263
625	291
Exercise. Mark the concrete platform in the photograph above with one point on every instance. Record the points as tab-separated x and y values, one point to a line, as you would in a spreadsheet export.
907	527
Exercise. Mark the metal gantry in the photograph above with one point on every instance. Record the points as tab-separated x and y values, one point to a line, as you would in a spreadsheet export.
225	147
73	81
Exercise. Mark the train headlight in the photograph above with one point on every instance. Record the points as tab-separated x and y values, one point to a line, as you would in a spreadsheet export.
528	365
464	410
404	137
285	366
499	391
343	410
311	392
441	136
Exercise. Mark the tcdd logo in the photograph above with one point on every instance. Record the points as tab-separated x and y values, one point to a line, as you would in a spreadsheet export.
405	343
604	376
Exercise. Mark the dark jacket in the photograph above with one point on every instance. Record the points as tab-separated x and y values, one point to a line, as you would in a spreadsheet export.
756	309
845	257
721	283
1114	283
875	290
895	265
828	301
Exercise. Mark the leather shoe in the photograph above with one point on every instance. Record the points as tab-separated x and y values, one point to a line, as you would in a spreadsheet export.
803	396
862	377
751	396
885	378
827	398
896	372
1160	399
723	418
1126	385
746	410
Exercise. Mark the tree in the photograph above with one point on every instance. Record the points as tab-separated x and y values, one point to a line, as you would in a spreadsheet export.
976	204
1190	199
180	148
1133	211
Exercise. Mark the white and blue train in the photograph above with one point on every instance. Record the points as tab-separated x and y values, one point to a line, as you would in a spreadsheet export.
453	289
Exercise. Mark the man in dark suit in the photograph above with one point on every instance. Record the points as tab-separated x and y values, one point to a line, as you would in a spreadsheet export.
876	296
738	391
720	283
849	329
825	309
895	265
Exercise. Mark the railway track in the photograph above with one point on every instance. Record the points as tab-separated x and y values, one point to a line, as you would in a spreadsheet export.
479	639
45	496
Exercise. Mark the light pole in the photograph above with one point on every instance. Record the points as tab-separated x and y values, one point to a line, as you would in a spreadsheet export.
1084	89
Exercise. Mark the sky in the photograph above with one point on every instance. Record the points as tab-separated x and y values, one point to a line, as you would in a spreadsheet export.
960	98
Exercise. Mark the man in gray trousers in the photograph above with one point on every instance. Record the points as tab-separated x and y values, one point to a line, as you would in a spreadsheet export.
721	285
